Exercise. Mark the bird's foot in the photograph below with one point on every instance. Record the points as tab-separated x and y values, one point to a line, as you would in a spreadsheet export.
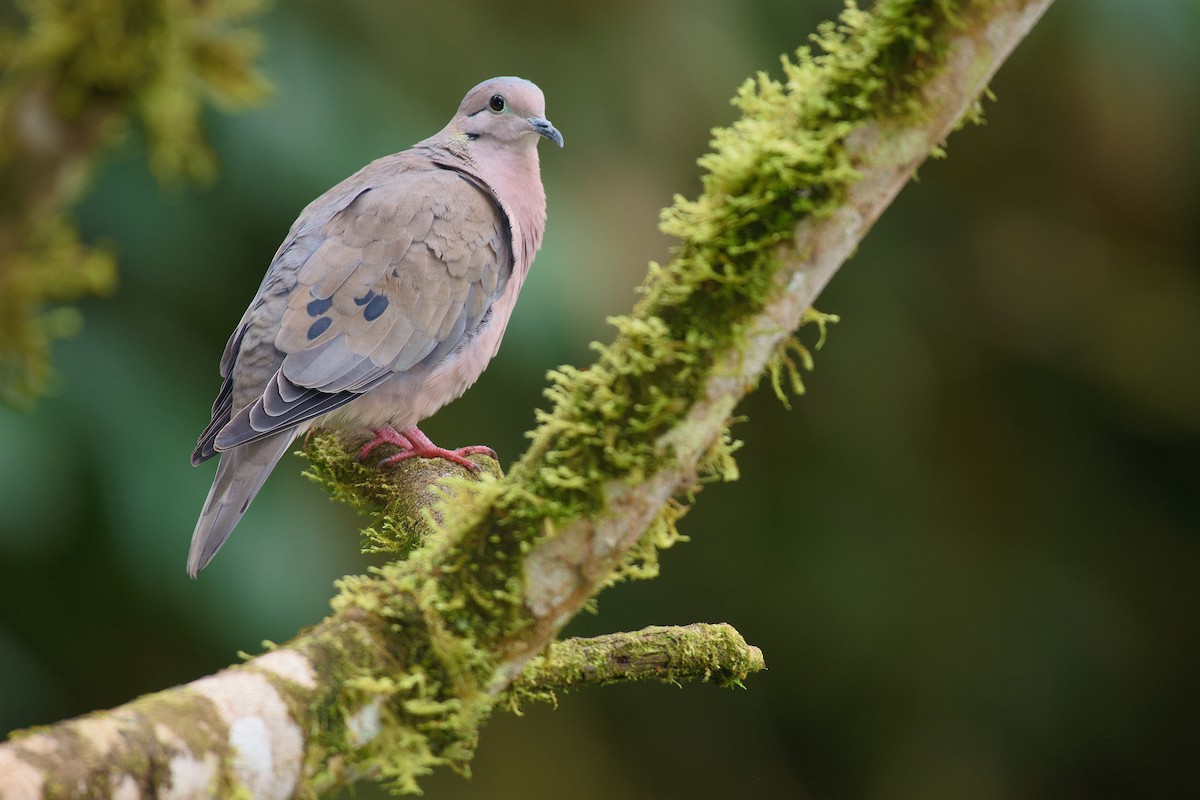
413	444
384	435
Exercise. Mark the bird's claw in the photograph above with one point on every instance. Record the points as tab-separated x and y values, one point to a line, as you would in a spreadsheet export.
387	435
413	444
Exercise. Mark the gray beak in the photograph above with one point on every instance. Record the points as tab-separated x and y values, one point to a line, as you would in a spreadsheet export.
544	128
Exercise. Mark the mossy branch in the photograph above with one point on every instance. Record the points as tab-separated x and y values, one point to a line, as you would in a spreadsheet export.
402	502
399	679
697	652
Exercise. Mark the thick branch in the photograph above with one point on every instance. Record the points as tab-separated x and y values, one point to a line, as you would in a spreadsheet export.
239	728
414	658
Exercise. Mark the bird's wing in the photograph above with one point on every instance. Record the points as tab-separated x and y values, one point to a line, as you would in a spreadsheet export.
402	274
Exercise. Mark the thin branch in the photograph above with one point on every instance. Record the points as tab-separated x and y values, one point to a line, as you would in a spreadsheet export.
697	652
415	657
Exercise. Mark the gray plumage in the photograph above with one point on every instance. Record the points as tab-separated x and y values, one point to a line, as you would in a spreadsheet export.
387	299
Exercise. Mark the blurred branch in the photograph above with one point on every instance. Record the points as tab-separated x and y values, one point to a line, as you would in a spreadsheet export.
415	656
70	82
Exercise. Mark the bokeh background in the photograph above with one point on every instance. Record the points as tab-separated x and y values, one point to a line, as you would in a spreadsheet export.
971	553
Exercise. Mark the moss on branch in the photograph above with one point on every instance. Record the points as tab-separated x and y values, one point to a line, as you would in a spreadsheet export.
513	558
785	160
418	653
627	440
698	652
402	501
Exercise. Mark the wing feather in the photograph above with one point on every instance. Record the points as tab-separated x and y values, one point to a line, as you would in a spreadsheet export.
400	275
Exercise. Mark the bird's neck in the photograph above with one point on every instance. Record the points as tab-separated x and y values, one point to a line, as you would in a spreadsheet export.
515	181
518	185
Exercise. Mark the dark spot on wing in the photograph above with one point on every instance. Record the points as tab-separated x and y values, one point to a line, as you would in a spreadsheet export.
319	327
366	298
376	307
318	307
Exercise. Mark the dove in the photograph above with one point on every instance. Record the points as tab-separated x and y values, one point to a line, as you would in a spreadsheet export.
385	302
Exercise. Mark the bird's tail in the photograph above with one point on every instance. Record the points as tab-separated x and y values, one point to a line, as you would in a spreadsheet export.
240	475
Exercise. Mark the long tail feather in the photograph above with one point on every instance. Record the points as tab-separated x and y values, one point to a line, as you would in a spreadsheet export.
240	475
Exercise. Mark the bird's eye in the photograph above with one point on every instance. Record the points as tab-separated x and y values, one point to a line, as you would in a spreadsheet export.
496	103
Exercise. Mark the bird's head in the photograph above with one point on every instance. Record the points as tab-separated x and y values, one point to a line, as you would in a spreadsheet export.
503	114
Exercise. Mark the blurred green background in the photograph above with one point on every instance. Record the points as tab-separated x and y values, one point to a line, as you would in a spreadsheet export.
971	554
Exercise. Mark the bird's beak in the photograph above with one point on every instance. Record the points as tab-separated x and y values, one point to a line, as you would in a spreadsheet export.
544	128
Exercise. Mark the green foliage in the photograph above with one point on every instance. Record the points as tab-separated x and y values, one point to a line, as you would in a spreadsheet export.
154	60
71	79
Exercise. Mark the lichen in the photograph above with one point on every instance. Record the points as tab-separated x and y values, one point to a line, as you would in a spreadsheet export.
196	722
139	743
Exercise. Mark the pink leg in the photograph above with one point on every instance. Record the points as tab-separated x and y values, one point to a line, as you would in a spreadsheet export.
413	443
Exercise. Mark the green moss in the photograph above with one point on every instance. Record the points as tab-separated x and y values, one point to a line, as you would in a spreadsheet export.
403	501
641	562
784	161
699	652
400	705
792	357
399	526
